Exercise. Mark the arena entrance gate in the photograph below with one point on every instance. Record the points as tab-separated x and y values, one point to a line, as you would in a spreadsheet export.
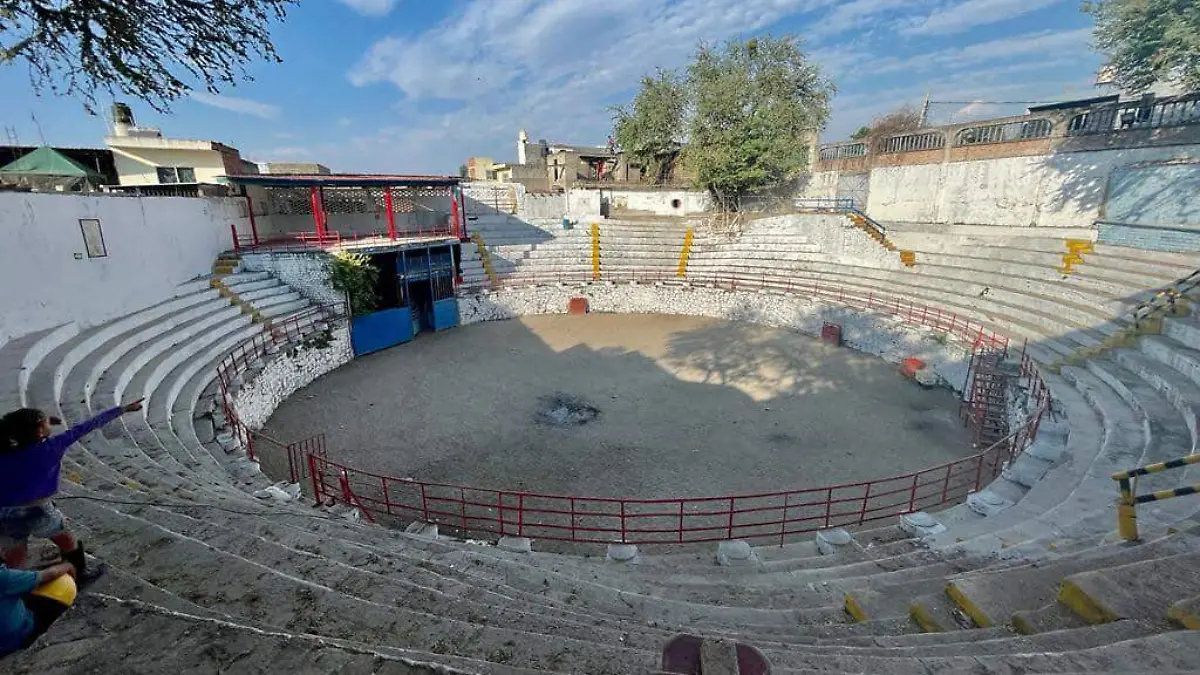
415	292
425	283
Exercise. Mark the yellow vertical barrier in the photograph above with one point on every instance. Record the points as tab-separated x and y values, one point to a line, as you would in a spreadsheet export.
683	255
484	257
595	250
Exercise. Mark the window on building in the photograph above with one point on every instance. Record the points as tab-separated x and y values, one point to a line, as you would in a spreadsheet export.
176	174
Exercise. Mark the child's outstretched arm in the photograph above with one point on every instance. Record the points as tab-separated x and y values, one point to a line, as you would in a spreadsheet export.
61	442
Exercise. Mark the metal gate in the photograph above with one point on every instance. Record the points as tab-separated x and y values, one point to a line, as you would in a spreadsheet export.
854	187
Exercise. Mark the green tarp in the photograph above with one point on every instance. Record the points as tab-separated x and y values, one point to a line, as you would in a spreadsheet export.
46	161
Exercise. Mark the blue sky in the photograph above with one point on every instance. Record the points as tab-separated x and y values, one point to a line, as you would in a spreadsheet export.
418	85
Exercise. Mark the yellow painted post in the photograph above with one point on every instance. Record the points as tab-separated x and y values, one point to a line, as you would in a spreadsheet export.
595	250
683	255
484	257
1127	512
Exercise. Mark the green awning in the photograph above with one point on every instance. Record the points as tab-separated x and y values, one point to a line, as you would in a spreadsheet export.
46	161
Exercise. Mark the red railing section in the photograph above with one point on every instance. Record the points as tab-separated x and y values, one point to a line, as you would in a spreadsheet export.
769	515
312	240
275	334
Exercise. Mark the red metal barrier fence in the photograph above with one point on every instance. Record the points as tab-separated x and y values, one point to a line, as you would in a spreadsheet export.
772	515
245	355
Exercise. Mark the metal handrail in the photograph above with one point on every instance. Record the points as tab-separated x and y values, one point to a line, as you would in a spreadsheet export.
1129	499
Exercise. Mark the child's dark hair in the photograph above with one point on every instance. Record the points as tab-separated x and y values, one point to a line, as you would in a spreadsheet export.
19	428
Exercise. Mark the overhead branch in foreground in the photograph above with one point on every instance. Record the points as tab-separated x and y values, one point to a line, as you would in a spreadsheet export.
155	50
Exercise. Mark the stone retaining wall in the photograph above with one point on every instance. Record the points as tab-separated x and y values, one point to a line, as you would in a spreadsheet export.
287	372
307	273
867	332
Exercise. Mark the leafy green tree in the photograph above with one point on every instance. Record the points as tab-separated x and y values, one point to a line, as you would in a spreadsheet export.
462	171
862	132
1148	41
650	129
354	275
757	105
151	49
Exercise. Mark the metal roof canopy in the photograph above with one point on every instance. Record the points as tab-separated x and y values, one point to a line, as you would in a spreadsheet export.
345	180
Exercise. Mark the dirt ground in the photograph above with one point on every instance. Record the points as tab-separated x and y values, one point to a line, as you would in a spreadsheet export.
626	405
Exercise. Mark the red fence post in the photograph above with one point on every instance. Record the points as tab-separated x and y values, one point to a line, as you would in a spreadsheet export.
316	484
233	231
862	515
912	496
424	505
783	521
520	515
623	537
681	521
730	518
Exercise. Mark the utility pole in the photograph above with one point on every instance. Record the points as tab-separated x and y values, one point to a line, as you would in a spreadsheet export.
925	109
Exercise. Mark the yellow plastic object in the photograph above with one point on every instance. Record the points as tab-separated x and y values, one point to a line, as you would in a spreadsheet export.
62	590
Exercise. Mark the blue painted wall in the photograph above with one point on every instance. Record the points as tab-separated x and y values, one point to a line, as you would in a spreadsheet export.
380	330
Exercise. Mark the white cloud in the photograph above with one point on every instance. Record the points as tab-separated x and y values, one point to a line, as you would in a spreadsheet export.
244	106
370	7
1045	45
860	14
970	14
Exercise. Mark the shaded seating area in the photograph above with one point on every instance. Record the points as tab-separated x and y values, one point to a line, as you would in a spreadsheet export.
346	210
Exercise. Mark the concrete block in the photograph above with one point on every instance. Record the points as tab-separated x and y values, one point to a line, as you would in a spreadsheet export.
921	524
832	542
1049	449
1026	470
516	544
422	529
987	503
622	553
736	553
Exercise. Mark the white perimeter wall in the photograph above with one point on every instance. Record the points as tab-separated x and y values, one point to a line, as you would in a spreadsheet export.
661	203
154	244
1067	189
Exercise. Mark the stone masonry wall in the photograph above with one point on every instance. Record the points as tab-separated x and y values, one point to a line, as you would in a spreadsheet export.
867	332
286	373
306	272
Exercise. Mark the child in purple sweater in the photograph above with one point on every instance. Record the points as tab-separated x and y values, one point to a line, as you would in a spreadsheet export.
30	462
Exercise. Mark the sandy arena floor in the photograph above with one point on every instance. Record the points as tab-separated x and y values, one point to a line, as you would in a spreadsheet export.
683	406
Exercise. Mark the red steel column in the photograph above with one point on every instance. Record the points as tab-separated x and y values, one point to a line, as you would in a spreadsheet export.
318	212
454	229
253	225
391	217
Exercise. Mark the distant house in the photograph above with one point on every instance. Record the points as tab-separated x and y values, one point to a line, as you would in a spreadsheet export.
149	163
